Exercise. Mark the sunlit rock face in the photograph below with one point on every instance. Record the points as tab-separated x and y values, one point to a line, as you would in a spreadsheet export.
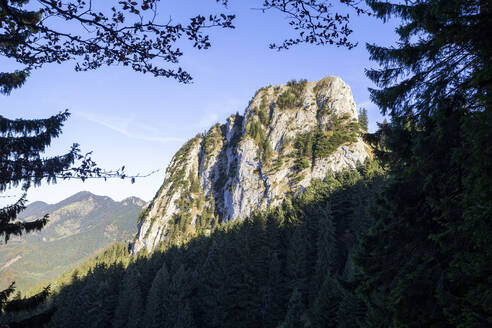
288	136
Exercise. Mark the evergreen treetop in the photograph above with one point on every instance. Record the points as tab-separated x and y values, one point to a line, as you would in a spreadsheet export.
426	258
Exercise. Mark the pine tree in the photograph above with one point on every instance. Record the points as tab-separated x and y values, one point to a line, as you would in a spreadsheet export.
272	311
185	318
363	120
156	307
211	292
130	309
237	292
136	310
426	257
325	246
295	311
21	144
148	266
67	299
296	266
350	311
325	308
178	299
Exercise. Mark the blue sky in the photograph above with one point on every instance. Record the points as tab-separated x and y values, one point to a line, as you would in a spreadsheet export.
140	121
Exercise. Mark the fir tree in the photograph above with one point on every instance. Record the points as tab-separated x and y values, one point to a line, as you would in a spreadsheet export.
136	309
325	246
178	299
185	318
29	37
130	309
295	311
363	120
350	311
325	308
427	257
235	277
156	307
296	266
239	288
273	298
21	144
211	290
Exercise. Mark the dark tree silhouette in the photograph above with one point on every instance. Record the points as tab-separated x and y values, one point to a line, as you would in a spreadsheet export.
127	32
427	257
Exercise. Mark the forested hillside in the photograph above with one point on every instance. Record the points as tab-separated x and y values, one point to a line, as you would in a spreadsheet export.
79	226
400	239
288	266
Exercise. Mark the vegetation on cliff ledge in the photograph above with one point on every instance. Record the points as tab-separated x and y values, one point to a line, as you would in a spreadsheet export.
265	271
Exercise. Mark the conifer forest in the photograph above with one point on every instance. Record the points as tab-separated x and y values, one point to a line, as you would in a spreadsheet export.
295	213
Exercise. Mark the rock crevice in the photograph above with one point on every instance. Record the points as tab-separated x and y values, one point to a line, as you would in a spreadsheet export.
288	136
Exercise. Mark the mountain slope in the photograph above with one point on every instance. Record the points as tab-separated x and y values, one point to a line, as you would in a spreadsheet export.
288	136
244	274
79	226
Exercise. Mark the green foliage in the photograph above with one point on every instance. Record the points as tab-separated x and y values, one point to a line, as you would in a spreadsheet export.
321	144
267	151
243	274
328	299
206	219
350	311
212	139
304	144
130	309
85	224
28	27
31	36
426	259
292	96
295	310
185	318
23	143
255	131
325	244
195	183
263	111
301	164
157	301
176	172
363	120
296	259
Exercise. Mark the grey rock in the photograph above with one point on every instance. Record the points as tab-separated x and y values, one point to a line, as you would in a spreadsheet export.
229	166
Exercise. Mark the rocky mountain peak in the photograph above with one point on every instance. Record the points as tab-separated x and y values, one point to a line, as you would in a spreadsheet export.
132	200
289	135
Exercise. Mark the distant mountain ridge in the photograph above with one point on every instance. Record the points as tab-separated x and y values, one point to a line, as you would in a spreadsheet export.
79	226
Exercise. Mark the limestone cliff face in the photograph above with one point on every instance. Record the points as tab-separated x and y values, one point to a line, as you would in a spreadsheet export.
288	136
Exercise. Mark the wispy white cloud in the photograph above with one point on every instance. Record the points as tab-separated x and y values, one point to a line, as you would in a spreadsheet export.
129	127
